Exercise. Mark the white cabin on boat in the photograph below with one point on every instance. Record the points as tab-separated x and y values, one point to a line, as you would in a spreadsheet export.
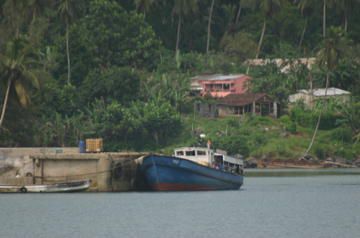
197	154
208	157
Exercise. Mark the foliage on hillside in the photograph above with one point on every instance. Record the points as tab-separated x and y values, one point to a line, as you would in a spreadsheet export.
267	138
73	69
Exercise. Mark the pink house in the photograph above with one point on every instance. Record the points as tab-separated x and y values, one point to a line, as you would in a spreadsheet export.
218	85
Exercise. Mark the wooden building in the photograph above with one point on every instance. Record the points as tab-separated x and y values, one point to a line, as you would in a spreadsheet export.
238	105
247	103
310	97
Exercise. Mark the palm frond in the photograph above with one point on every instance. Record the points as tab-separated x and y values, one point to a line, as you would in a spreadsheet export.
21	93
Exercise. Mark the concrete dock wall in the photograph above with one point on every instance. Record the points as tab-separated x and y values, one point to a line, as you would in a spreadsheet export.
16	164
107	171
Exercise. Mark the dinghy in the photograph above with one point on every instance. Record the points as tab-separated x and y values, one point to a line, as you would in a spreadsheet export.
72	186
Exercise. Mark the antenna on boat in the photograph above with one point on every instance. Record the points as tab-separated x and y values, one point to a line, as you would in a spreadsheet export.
209	144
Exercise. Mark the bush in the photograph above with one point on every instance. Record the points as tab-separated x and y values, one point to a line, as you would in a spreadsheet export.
302	117
259	120
328	120
343	134
234	145
239	45
288	124
320	152
115	83
307	118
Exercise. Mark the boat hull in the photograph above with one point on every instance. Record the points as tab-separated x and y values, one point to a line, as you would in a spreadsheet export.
165	173
73	186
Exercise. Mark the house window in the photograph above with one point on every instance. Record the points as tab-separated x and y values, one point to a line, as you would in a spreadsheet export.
179	153
198	107
201	152
226	87
208	87
257	108
248	108
238	110
218	87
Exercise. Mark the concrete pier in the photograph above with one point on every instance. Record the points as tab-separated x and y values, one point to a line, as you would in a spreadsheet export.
108	172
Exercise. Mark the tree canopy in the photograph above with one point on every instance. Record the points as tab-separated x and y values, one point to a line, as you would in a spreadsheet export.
106	68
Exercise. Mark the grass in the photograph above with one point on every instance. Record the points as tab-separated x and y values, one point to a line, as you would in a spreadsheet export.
264	137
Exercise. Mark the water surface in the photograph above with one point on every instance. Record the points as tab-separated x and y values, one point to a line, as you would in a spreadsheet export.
302	206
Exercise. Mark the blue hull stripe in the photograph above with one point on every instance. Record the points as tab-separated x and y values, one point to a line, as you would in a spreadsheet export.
182	173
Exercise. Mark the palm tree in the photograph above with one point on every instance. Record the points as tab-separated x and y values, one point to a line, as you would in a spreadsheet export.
14	11
65	11
144	5
17	67
305	7
209	26
37	7
335	45
346	6
326	4
324	18
237	19
268	9
182	8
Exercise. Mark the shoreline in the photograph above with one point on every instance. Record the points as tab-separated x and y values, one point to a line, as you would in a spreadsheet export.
299	172
297	164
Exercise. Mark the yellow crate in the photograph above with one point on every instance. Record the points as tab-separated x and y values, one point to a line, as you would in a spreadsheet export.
94	145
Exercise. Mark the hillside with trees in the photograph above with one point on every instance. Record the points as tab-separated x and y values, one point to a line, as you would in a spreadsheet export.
121	70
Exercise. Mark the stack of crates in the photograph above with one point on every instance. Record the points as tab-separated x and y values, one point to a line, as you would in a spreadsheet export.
94	145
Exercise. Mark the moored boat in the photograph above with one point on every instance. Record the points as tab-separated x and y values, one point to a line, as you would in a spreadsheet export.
192	168
73	186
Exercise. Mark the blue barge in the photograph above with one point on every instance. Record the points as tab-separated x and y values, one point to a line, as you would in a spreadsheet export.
196	169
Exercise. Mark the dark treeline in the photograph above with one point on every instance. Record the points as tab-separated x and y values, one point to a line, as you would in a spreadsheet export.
120	70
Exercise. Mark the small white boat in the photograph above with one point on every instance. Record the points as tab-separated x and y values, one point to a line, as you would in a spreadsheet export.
72	186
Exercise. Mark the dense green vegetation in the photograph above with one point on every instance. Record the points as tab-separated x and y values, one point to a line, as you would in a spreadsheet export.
120	69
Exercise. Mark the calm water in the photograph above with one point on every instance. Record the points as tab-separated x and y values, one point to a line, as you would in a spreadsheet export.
302	206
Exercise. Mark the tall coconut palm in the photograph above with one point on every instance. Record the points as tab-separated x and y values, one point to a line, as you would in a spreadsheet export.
209	26
324	18
181	9
17	69
346	7
37	7
268	8
305	7
144	5
66	12
237	19
14	11
335	46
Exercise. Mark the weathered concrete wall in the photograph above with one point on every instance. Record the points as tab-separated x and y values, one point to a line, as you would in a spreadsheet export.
107	171
22	152
16	165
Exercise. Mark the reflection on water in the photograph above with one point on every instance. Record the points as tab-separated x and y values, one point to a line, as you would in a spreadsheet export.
299	172
282	207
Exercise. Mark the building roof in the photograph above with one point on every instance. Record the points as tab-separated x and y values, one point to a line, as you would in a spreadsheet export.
320	92
284	64
219	77
241	99
195	86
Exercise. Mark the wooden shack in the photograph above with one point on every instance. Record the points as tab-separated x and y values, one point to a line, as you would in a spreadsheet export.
248	103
